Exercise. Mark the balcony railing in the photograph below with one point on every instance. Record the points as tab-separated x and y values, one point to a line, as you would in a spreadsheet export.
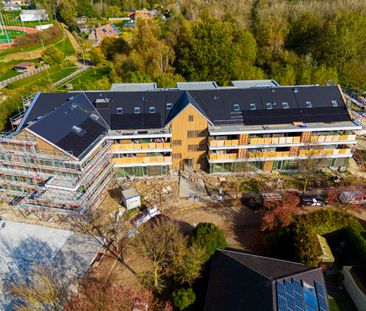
283	140
142	160
145	146
274	154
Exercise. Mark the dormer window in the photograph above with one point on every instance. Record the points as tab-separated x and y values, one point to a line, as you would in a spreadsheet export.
137	110
334	103
76	129
285	105
169	106
119	110
308	104
236	107
94	117
253	107
152	109
269	106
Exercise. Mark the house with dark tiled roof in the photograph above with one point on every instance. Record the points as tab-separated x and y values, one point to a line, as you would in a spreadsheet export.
242	281
67	143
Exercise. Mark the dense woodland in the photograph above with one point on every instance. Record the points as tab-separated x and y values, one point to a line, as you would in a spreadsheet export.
298	41
291	41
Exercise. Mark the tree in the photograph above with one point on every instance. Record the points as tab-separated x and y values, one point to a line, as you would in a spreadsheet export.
166	247
110	230
41	292
183	298
209	237
215	50
52	55
95	294
163	243
96	55
280	214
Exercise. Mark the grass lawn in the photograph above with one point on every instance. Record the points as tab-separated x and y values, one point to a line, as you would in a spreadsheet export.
44	78
336	305
65	47
8	74
88	76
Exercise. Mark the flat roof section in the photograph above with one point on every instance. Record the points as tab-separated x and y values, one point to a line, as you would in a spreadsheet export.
132	87
246	84
199	85
24	246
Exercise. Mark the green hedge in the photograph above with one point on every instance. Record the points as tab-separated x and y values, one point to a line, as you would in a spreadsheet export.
321	222
357	237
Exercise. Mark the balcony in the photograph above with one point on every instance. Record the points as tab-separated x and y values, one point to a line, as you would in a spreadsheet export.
282	142
264	156
144	161
145	147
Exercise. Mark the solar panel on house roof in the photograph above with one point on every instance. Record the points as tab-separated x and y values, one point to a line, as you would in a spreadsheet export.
296	295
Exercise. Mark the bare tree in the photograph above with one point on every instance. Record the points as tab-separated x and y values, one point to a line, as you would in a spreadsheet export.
110	230
98	295
42	292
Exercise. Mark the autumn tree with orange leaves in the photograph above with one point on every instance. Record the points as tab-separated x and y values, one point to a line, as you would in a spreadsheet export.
279	214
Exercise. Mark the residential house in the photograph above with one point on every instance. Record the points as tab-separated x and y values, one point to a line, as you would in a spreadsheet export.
97	35
242	281
134	15
24	67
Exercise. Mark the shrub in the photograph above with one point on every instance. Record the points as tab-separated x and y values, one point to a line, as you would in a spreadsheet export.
357	237
52	55
209	237
321	222
183	298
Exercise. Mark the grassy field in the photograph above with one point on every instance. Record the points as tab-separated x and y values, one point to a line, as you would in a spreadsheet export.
65	46
87	77
7	69
45	78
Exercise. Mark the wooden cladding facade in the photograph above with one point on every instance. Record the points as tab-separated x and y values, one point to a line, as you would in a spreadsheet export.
190	134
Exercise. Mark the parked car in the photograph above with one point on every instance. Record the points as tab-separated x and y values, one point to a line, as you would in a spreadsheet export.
257	200
312	200
352	197
2	223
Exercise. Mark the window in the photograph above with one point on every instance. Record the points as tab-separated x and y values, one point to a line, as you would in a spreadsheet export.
308	105
190	118
269	106
76	129
285	105
236	107
94	117
176	155
169	106
194	134
119	110
137	110
334	103
193	148
177	143
152	109
253	107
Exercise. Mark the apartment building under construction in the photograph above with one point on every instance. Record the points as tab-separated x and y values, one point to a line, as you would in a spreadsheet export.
68	146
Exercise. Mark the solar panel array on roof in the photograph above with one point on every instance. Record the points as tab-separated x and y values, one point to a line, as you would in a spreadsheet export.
73	126
297	295
252	106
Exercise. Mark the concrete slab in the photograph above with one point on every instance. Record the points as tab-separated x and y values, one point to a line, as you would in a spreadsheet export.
24	247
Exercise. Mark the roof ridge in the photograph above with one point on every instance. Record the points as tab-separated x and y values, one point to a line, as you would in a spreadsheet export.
267	258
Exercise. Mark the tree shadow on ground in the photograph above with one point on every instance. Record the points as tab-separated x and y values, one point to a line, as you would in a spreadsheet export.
63	265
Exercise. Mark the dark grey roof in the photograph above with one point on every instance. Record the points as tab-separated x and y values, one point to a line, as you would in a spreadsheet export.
241	281
184	100
75	126
234	106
